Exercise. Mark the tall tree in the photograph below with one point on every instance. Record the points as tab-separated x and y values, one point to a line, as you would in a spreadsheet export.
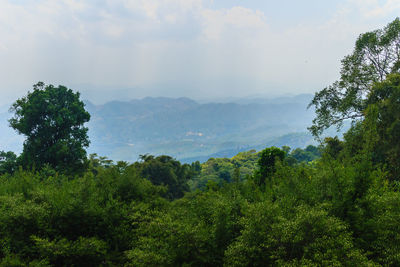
8	162
382	123
376	54
164	170
52	119
268	158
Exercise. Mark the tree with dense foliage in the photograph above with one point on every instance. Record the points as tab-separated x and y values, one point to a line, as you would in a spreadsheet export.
382	123
267	161
223	170
166	171
52	119
308	154
8	162
375	56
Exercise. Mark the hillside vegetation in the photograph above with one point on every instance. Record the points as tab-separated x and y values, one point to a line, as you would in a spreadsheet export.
337	204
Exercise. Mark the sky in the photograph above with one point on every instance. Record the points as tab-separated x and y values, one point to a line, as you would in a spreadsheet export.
203	49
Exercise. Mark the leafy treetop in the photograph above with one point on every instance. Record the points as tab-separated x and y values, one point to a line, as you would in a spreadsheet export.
52	119
376	55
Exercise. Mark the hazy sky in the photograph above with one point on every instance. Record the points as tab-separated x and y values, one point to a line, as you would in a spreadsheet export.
122	49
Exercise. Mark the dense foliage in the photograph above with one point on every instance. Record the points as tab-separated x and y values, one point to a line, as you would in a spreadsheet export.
375	56
166	171
242	166
52	119
339	210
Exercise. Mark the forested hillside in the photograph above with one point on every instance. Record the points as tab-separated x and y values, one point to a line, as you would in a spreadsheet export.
335	204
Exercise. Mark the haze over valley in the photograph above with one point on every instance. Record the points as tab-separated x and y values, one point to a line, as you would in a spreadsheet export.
189	130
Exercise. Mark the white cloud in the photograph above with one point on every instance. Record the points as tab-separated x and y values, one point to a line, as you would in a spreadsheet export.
150	8
376	8
389	7
76	5
215	22
157	9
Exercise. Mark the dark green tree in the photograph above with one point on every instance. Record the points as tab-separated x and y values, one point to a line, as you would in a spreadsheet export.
8	162
333	146
268	157
374	57
166	171
382	123
52	119
308	154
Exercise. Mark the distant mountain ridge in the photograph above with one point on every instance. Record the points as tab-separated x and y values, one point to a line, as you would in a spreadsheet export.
186	129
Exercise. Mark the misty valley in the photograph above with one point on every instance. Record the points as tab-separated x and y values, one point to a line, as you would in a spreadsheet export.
190	131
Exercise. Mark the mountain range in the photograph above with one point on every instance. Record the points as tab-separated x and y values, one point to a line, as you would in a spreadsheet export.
186	129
